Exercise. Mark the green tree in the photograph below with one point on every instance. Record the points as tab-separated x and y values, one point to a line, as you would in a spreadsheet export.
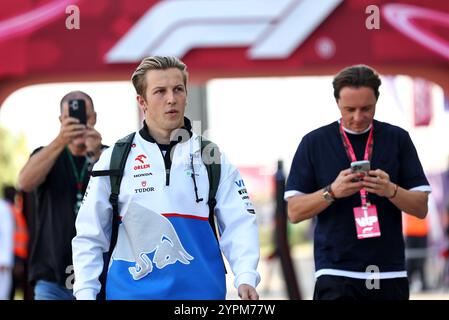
13	155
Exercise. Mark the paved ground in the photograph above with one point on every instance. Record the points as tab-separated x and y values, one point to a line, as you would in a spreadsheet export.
272	285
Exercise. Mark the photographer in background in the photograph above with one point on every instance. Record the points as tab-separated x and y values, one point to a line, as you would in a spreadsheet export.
58	176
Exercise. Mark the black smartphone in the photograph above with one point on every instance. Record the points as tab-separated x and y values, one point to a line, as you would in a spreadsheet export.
77	109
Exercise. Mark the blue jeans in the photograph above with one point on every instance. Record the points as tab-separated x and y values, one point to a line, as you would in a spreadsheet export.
46	290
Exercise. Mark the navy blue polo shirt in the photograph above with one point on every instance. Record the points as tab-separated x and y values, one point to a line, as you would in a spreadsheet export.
319	159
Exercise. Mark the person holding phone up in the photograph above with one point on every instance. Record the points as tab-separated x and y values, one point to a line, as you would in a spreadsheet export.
57	174
359	228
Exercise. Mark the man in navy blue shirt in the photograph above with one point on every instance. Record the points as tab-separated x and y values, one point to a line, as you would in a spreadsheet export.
358	242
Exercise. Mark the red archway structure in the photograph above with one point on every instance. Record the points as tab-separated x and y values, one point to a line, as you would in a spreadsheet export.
39	41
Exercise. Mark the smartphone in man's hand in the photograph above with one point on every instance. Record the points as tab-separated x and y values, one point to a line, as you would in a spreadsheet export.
362	167
77	109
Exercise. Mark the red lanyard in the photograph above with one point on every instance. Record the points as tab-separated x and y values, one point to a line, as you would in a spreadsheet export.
351	154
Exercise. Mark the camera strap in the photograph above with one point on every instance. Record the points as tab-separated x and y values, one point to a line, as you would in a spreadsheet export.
79	178
351	154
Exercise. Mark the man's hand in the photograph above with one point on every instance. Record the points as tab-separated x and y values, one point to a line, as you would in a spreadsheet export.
70	129
247	292
343	186
93	142
378	182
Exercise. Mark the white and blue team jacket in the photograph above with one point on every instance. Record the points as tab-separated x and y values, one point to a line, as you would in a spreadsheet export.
166	248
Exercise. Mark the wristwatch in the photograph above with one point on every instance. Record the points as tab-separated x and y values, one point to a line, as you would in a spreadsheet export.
328	195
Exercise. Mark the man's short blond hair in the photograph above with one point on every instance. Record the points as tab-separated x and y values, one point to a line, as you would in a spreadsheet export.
156	63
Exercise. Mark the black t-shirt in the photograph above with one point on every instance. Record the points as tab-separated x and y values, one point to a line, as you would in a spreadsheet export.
319	159
51	246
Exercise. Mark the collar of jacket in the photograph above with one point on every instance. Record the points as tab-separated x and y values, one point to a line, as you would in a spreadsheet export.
145	132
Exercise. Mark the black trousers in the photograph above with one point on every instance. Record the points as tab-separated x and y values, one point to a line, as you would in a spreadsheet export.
329	287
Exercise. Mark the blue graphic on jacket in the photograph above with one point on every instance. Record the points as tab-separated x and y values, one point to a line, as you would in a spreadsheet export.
151	262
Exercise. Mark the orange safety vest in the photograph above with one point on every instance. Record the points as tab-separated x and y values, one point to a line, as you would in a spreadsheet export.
20	231
414	227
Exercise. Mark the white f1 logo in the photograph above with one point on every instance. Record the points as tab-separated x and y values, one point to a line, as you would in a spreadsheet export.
273	28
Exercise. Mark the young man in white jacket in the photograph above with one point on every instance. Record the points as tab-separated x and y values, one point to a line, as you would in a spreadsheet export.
166	248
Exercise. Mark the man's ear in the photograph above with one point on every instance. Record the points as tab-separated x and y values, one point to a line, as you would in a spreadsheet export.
337	101
142	103
94	117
